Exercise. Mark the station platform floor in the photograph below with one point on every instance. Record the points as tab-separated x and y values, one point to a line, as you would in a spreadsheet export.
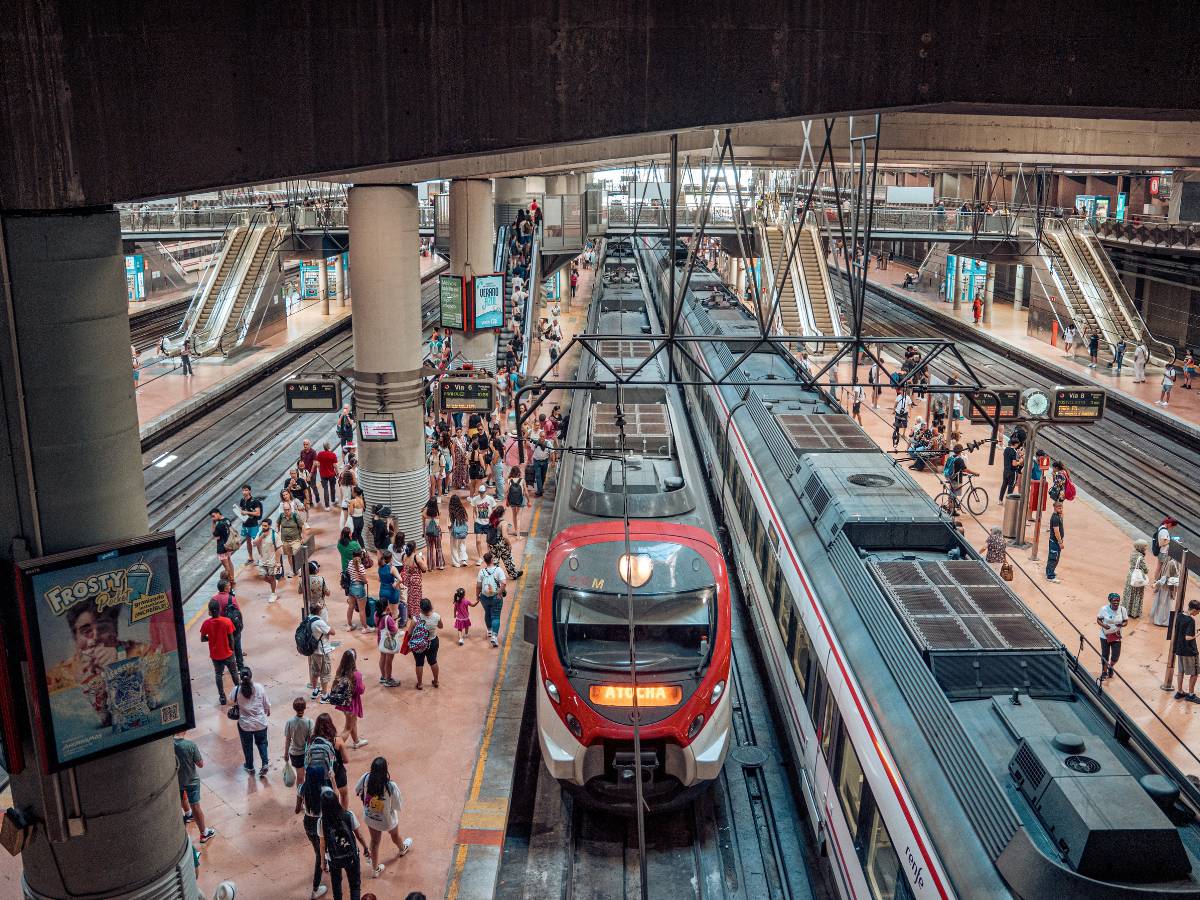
436	741
1010	325
1095	561
162	387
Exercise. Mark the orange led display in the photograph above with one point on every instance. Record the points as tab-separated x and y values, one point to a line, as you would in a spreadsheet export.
647	694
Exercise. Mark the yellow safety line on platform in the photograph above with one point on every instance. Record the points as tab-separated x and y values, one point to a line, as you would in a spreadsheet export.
460	857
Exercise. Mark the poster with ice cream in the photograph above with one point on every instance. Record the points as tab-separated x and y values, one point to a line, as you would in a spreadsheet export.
104	627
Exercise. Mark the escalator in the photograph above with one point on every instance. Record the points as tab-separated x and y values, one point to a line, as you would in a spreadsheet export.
780	283
238	287
200	310
250	290
816	280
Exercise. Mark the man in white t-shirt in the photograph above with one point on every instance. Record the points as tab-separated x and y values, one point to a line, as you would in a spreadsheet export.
482	503
320	669
1111	619
489	588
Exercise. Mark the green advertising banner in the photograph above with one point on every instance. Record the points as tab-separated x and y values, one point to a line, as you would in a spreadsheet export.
450	300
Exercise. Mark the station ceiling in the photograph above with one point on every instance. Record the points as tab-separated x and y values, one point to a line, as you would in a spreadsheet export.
104	102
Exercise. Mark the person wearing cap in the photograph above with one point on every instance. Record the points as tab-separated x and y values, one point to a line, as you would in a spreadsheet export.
482	504
1111	619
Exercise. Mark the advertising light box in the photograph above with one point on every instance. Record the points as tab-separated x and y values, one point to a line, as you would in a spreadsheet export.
489	301
104	635
450	301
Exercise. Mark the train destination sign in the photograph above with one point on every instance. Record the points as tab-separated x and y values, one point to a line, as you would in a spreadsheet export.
312	395
450	301
466	395
1010	404
1077	404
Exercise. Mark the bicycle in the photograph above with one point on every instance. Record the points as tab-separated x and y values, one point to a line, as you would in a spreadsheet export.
971	495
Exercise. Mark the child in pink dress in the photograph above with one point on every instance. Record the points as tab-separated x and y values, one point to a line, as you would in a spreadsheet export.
462	614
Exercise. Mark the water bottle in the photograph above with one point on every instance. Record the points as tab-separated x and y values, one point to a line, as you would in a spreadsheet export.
704	647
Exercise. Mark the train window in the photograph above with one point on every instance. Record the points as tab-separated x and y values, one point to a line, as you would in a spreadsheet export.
773	535
781	614
801	652
770	577
850	783
829	722
881	863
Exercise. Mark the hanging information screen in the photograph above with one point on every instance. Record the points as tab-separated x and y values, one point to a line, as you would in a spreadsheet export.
450	301
309	395
489	301
466	395
1078	404
104	634
1010	404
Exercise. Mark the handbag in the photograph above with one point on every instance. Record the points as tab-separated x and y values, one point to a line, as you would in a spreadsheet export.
1113	636
388	641
404	648
289	774
1138	579
1006	569
234	712
341	693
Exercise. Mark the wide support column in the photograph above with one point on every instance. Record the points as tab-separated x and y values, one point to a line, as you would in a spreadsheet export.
64	360
387	348
472	252
323	284
989	292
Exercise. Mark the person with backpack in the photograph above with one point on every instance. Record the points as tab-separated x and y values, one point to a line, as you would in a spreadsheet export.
345	428
253	708
327	749
433	534
312	640
226	542
458	532
346	696
423	640
387	638
290	528
308	799
327	469
381	802
250	511
342	836
229	608
217	632
515	497
489	590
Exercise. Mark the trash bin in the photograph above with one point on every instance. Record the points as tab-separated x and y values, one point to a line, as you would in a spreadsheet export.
1013	507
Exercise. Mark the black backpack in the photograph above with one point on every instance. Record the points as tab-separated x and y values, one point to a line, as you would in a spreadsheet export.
339	840
307	643
233	613
515	494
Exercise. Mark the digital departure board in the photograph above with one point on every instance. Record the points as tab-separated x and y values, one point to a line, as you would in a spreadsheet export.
377	429
1010	404
1077	404
312	395
467	395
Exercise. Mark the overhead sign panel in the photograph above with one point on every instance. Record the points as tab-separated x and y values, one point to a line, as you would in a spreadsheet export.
1078	404
1010	404
104	634
489	301
312	395
450	301
466	395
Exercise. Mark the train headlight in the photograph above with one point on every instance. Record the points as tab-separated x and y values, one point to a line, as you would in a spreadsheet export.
694	728
635	569
552	690
574	726
717	691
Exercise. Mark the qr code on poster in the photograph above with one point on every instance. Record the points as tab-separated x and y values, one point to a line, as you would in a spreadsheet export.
170	714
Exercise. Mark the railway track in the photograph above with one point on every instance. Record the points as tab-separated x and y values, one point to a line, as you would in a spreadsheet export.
146	329
247	439
1137	472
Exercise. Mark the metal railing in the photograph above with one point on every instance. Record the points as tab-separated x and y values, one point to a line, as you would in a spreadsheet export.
301	217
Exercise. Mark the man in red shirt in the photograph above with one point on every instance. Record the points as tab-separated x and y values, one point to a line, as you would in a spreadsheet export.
327	467
217	632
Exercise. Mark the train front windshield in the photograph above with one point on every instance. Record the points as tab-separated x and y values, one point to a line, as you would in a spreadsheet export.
672	631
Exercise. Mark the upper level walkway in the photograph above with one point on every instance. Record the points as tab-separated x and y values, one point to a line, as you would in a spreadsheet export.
164	223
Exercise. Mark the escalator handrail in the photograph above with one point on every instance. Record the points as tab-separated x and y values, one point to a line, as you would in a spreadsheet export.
174	341
205	342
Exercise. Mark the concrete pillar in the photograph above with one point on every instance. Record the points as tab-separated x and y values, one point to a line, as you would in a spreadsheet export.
323	284
954	273
1019	287
511	190
64	358
387	348
989	290
339	279
472	252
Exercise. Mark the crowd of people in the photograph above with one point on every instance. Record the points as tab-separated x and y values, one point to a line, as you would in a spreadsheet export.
480	499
